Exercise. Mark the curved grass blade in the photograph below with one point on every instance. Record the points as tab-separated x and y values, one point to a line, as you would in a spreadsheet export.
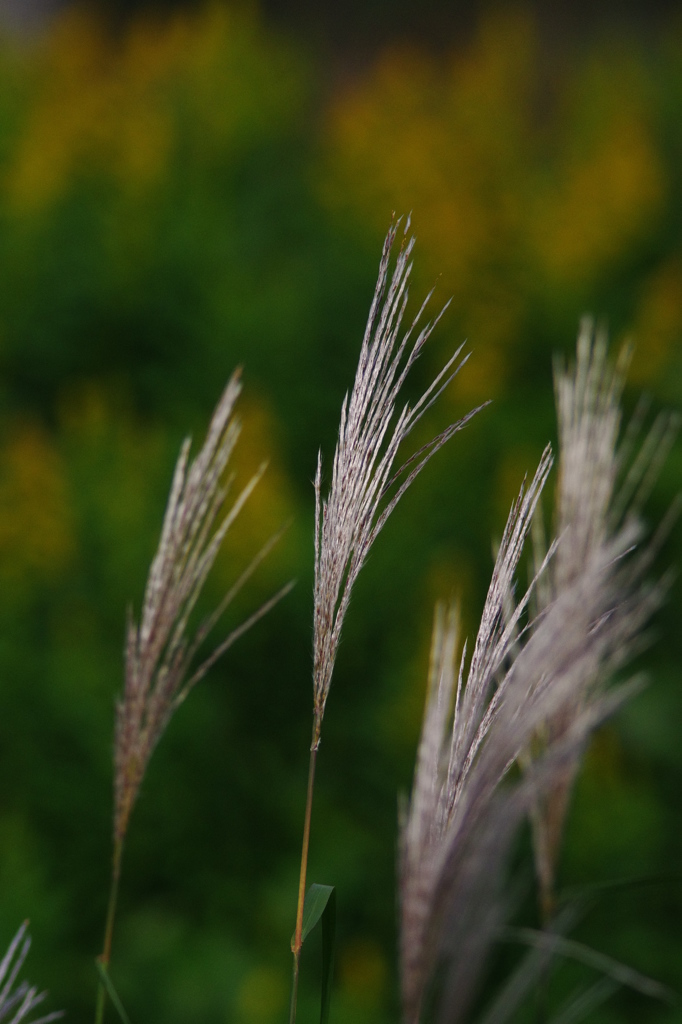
606	965
594	891
320	904
328	949
316	901
585	1001
530	972
111	991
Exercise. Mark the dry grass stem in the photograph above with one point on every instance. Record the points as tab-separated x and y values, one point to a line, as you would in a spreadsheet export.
365	488
159	652
22	1000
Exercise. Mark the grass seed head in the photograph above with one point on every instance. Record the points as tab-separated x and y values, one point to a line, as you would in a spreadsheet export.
159	653
365	488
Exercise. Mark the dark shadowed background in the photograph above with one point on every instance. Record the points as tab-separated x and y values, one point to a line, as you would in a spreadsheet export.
186	188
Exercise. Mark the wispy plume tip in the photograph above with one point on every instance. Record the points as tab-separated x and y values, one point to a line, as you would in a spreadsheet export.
365	488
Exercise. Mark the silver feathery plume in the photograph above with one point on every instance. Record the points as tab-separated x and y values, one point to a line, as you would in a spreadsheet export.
601	488
364	488
457	723
16	1003
465	810
159	653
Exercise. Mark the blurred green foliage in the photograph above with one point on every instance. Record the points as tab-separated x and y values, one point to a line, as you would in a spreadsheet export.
191	194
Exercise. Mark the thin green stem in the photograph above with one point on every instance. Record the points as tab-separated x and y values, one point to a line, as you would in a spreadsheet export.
294	989
297	940
109	926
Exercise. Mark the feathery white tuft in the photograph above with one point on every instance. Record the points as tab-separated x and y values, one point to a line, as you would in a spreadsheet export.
159	653
465	809
461	724
364	489
601	488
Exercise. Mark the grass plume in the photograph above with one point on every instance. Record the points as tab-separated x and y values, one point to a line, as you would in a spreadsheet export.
366	486
17	1002
601	488
465	807
159	652
449	839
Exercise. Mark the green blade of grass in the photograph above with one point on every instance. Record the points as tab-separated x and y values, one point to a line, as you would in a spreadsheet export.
578	1007
316	901
328	948
572	950
111	991
320	905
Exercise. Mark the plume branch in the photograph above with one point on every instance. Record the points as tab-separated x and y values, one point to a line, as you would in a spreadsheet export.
20	1000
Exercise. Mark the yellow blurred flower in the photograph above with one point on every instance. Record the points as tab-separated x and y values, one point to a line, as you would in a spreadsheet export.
262	996
89	109
36	529
657	329
609	182
522	178
270	507
117	106
446	141
363	971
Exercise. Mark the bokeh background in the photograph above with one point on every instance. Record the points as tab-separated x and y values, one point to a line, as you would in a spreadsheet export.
192	187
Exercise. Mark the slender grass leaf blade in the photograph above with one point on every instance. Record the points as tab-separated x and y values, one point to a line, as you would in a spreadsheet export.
572	950
597	890
111	991
316	900
328	950
585	1002
320	905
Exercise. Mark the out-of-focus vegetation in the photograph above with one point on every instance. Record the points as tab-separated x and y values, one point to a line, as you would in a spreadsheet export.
188	195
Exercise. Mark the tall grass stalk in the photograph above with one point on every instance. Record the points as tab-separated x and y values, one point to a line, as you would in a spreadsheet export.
535	687
159	652
297	942
503	731
365	487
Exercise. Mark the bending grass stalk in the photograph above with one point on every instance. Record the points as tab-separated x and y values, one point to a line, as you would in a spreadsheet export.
297	941
112	993
159	649
109	927
365	487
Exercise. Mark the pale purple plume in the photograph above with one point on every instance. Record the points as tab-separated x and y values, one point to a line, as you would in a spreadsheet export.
527	666
461	711
159	653
602	485
365	488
